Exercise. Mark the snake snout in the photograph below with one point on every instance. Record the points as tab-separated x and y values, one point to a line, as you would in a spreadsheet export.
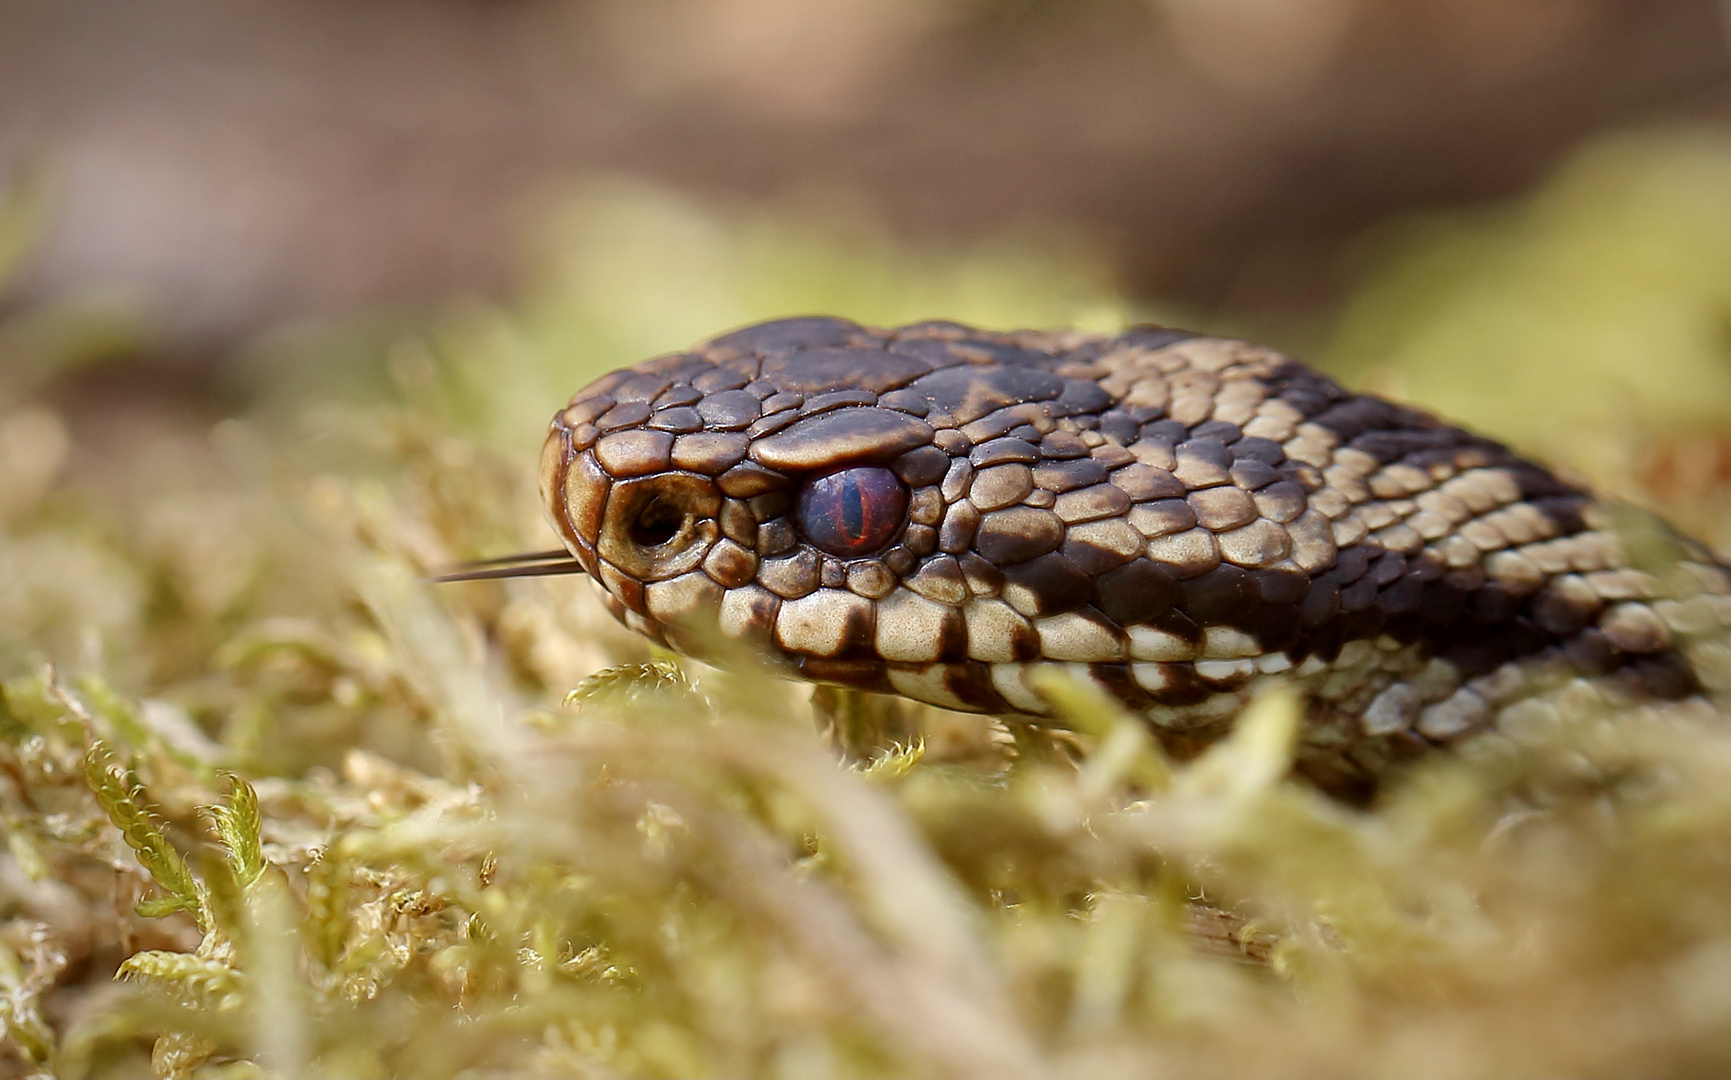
648	527
639	522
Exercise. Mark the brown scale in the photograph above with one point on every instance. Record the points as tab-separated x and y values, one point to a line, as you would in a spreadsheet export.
1181	518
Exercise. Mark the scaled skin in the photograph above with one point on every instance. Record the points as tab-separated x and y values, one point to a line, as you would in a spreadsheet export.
1180	519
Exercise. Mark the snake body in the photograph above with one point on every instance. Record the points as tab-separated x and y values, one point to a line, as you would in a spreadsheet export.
1178	518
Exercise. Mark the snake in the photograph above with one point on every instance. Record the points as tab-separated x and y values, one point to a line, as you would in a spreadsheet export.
944	513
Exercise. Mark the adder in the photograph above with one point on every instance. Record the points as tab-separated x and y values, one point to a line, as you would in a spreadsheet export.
938	512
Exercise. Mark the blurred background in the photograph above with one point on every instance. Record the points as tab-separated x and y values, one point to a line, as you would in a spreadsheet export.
231	165
1512	213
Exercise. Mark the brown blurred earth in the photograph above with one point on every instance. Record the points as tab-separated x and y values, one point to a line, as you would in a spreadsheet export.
229	165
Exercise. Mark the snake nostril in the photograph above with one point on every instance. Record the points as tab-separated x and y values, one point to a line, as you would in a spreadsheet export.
657	524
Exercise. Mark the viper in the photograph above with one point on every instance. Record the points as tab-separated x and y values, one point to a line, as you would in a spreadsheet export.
940	512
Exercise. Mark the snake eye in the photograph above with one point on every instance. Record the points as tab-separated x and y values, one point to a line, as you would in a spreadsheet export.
853	512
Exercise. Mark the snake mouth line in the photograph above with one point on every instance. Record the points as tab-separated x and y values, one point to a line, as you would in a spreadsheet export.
524	564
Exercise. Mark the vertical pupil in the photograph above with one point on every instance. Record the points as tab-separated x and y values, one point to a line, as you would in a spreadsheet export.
852	507
852	511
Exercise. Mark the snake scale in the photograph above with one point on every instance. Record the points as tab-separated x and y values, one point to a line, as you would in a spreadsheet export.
937	511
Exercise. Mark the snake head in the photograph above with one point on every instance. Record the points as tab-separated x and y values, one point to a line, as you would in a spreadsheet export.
873	508
705	491
940	512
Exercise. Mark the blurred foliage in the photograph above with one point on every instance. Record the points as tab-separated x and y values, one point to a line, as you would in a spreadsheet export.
626	272
273	806
1589	324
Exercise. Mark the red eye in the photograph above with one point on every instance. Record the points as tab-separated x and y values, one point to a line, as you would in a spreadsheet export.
853	512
